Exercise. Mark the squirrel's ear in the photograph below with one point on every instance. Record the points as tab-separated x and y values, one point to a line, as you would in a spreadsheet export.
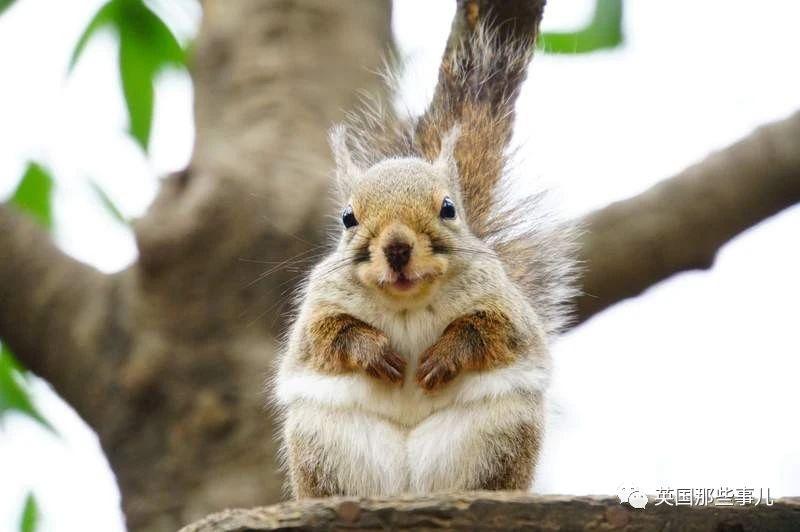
346	170
447	152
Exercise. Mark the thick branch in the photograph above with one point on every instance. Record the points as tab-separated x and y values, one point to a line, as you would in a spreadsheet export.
499	511
681	223
55	312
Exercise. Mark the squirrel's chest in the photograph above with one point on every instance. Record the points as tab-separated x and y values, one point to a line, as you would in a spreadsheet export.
411	332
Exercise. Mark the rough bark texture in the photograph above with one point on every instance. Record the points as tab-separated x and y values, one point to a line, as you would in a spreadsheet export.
680	224
51	308
501	511
271	76
167	360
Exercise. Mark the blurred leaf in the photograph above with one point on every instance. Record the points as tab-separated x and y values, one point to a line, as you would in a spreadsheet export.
34	194
137	87
108	203
138	23
13	396
146	46
603	31
12	361
5	4
30	515
106	16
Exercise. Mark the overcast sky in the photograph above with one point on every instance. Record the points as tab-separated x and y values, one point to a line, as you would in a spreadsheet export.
692	385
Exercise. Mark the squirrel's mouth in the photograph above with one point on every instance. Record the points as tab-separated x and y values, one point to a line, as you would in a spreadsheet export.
403	283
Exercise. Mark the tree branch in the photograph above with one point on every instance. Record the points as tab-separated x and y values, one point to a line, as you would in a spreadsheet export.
497	510
55	312
681	223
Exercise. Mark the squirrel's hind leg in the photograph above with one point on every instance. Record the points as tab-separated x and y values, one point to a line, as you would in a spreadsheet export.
338	452
309	474
493	445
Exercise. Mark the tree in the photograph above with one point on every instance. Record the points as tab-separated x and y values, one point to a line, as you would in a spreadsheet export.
167	360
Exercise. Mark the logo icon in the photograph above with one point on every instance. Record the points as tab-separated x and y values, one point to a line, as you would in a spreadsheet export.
633	496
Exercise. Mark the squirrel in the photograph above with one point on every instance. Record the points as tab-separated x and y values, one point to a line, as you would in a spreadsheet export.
418	358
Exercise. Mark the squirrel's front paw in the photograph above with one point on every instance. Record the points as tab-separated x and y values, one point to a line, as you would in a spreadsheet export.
379	360
436	368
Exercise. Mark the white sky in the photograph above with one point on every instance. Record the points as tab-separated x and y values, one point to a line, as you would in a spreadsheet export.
692	385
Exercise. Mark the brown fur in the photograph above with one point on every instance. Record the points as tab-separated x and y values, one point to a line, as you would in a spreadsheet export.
471	12
479	341
479	81
479	154
513	460
396	199
309	475
340	343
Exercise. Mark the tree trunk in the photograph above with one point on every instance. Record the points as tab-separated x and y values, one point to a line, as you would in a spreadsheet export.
168	361
270	78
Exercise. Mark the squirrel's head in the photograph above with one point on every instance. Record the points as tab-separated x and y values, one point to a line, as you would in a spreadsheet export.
401	220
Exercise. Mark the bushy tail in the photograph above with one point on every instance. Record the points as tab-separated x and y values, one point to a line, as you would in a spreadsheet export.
482	70
479	82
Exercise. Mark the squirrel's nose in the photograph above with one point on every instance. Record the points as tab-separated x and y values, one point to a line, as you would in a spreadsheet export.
397	255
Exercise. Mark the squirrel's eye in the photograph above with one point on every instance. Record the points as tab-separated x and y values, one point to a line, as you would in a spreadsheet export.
348	218
448	211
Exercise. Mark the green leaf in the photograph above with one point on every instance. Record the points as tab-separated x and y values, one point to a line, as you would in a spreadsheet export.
34	194
603	31
13	363
30	515
139	23
5	4
146	46
13	396
112	209
106	16
137	87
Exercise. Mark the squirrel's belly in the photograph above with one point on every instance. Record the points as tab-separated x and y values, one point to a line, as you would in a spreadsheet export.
410	334
368	455
408	405
405	405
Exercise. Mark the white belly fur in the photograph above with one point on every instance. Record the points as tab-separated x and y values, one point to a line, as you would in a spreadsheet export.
386	439
371	455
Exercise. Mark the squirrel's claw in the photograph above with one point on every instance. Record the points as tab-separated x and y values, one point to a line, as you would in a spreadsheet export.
388	366
435	371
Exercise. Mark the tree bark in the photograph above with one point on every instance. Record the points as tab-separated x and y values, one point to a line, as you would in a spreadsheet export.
681	223
494	510
51	308
270	78
168	360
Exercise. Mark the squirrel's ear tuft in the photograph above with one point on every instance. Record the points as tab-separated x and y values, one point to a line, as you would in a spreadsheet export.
447	151
346	170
